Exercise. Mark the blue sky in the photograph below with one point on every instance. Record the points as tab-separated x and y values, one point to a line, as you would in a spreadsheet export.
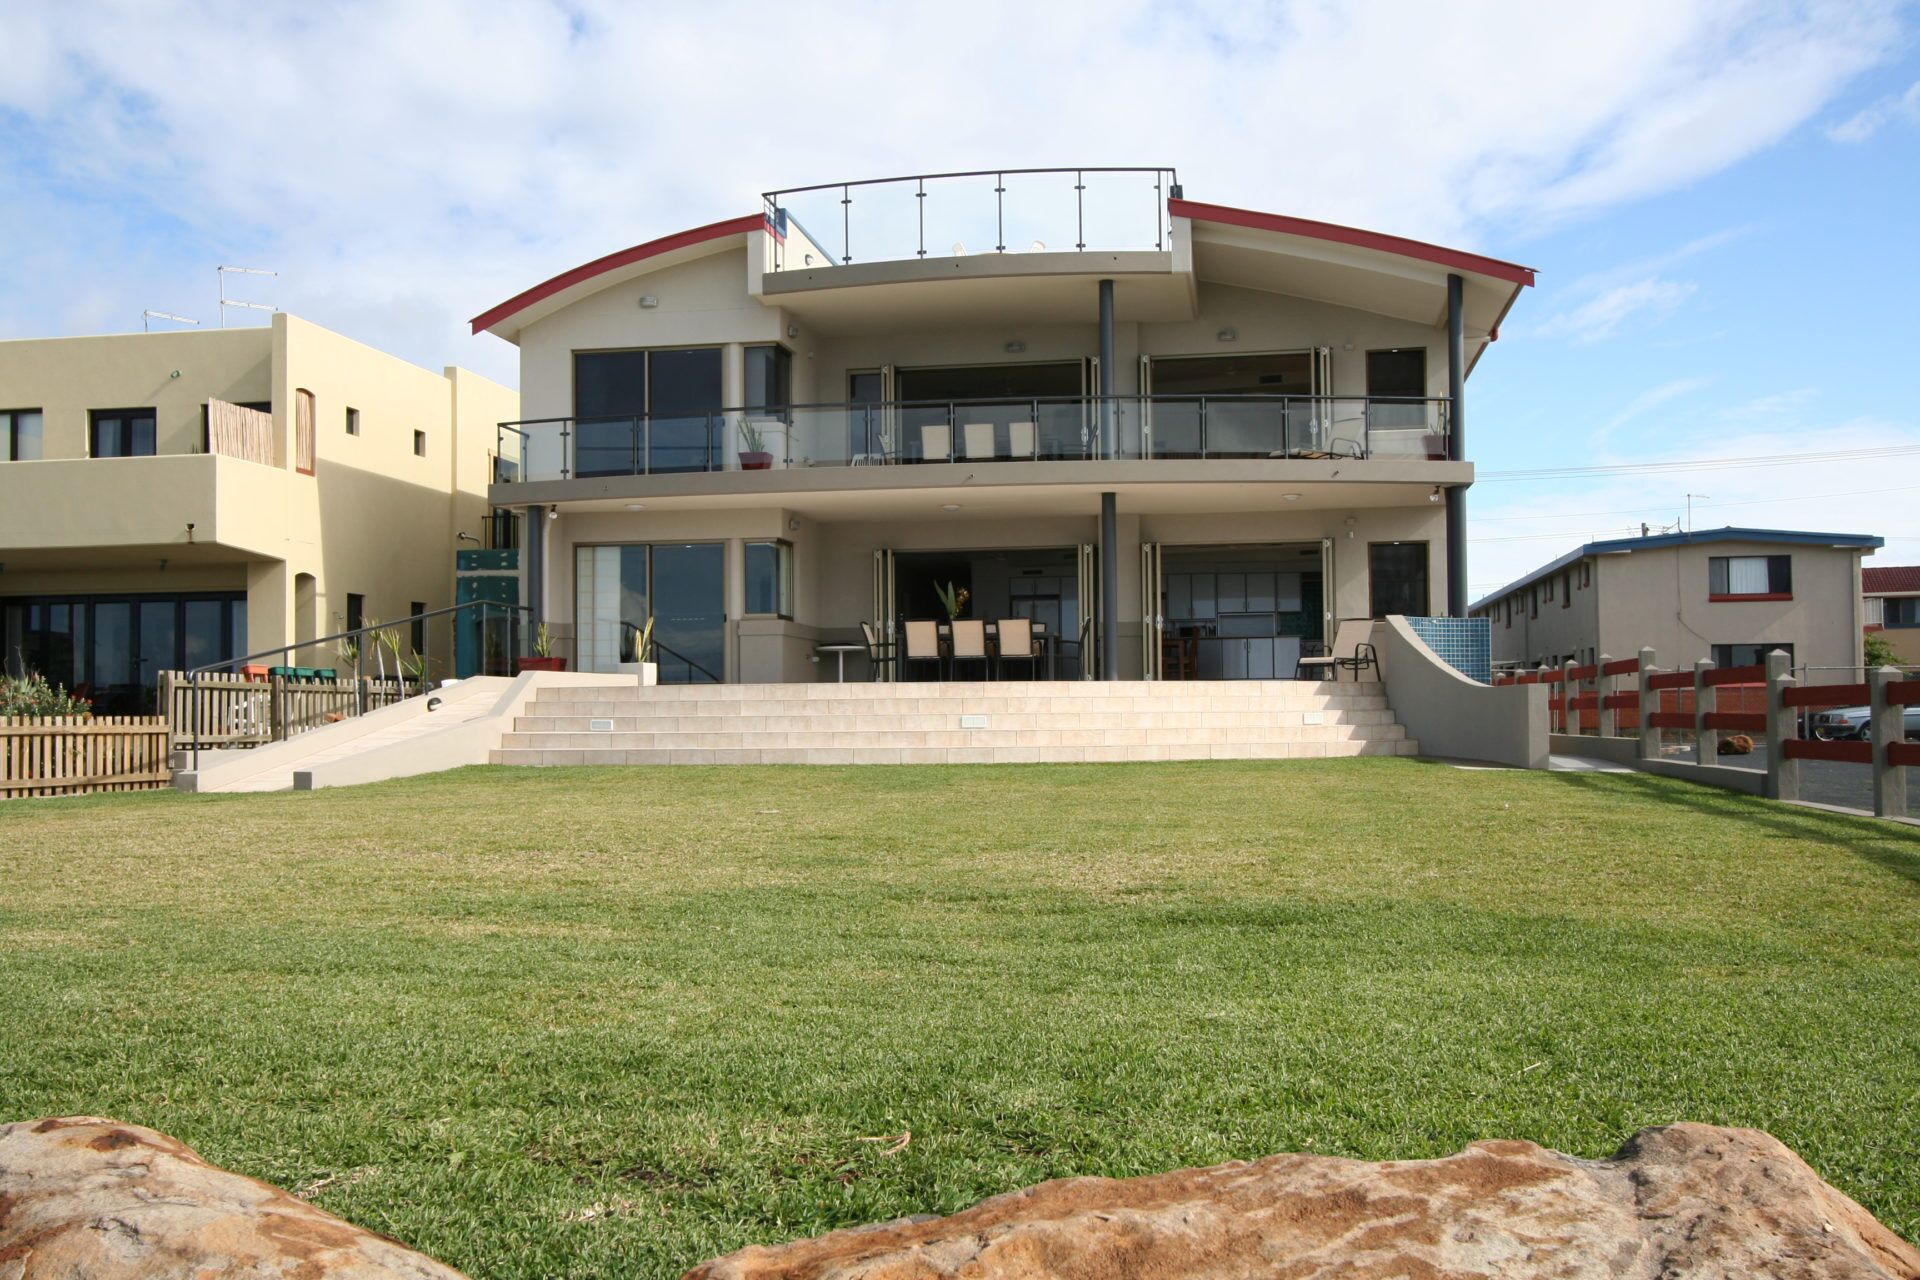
1720	194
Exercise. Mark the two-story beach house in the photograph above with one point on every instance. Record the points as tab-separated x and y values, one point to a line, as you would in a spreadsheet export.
1185	440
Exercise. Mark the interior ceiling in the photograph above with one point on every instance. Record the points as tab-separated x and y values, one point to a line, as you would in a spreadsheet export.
1038	501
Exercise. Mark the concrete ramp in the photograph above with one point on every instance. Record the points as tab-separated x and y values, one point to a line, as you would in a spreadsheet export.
454	725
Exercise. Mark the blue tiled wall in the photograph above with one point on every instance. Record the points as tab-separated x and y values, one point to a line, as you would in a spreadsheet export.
1466	644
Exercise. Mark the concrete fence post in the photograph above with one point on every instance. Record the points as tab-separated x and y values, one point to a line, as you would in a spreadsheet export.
1706	743
1603	689
1888	727
1649	703
1783	775
1569	718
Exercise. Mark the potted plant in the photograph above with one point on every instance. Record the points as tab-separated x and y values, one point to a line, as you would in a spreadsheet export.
953	599
636	654
754	457
542	659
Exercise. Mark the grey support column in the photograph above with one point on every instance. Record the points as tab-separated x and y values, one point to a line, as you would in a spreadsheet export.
536	564
1456	446
1603	689
1706	742
1783	775
1887	727
1649	703
1109	519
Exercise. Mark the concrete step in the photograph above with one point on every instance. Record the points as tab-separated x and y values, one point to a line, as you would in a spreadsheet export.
1196	721
882	737
586	702
1012	754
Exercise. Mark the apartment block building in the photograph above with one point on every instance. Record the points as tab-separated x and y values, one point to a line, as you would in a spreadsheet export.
1890	606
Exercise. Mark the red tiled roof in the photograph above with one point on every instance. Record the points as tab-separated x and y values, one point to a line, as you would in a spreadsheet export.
1892	579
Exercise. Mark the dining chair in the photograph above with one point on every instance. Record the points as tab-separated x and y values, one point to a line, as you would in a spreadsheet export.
1023	440
978	438
936	443
969	645
879	652
1018	644
923	645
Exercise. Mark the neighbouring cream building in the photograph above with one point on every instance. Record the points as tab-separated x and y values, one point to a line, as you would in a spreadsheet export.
174	499
1184	439
1890	600
1723	595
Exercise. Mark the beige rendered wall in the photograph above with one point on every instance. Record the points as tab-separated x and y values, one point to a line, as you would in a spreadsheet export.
833	562
1658	597
1905	642
1568	625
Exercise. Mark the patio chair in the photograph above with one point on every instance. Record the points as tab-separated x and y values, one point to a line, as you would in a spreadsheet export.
978	438
1017	643
1351	651
969	645
1023	440
923	645
936	442
879	652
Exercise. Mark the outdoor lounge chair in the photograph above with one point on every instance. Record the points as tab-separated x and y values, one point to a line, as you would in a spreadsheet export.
923	645
969	645
879	652
978	438
1017	643
1352	651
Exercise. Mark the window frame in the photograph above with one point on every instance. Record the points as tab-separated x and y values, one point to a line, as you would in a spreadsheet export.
1761	648
1426	575
783	580
10	435
352	420
126	418
419	442
1893	606
1779	578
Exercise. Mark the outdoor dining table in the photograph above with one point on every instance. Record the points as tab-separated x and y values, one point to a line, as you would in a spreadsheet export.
840	651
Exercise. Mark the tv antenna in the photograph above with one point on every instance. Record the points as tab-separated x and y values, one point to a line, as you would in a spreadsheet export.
1690	498
225	301
149	316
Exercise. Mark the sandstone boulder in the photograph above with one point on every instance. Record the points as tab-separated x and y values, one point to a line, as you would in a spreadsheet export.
81	1196
1681	1201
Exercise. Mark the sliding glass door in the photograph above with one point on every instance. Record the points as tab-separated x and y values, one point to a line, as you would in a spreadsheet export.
681	586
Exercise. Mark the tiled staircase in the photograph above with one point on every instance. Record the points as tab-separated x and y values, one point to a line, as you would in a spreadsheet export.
1005	722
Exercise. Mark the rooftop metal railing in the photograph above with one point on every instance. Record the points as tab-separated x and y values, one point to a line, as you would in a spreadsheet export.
1102	207
1002	429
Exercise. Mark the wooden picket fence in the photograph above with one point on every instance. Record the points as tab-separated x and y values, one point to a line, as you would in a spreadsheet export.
242	711
74	755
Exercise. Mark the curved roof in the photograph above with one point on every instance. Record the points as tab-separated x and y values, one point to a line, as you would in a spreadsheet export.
1379	241
614	261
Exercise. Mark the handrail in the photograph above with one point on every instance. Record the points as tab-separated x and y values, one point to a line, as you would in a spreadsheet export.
657	643
193	674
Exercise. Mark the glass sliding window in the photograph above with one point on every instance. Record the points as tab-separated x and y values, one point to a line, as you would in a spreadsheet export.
770	578
1244	405
769	378
609	398
683	400
159	641
690	613
112	673
20	438
202	631
610	589
123	433
1397	387
1397	577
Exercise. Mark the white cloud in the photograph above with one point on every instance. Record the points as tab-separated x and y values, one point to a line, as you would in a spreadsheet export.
407	163
1867	122
1644	403
1647	302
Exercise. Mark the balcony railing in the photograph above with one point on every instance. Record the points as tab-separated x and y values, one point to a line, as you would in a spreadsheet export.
1044	429
983	211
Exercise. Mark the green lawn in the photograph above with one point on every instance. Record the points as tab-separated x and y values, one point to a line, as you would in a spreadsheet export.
611	1022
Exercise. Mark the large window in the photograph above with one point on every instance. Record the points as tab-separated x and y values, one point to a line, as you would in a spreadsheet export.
770	578
679	585
769	378
20	439
1748	655
1750	578
1397	578
1236	409
123	433
1902	612
112	649
644	411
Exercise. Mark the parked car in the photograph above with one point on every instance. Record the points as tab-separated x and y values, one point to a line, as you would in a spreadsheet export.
1842	723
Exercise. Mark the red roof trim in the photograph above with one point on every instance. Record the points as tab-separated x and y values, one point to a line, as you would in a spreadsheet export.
613	261
1379	241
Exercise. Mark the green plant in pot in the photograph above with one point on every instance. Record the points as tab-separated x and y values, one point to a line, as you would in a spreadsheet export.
542	659
953	599
754	455
636	652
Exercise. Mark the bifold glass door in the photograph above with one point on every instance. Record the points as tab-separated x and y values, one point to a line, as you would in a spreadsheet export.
681	586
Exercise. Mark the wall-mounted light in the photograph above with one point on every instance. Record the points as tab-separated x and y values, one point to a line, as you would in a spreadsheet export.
648	301
1227	335
189	533
793	524
1351	521
1435	495
553	513
1015	346
793	331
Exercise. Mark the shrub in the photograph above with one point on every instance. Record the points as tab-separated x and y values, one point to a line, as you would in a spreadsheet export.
31	695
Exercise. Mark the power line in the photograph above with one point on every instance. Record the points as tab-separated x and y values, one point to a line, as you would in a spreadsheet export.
1699	464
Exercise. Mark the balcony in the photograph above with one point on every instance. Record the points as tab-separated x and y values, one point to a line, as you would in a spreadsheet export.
1012	431
208	502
